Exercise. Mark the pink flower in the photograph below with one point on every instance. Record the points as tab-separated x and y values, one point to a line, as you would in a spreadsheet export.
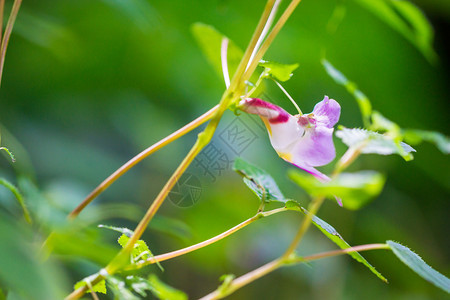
305	141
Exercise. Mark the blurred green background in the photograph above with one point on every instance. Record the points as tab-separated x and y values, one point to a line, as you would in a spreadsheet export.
88	84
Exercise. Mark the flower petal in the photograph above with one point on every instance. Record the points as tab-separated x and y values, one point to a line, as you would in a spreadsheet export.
311	170
282	127
315	148
327	112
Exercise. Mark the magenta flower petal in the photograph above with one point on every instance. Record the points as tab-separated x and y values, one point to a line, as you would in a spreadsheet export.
305	141
315	148
327	112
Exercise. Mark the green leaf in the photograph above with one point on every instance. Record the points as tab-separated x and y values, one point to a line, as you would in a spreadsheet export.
139	285
415	137
416	263
125	289
13	159
140	251
210	41
163	291
407	20
281	72
354	189
363	102
373	142
19	198
380	122
120	289
334	236
122	230
259	181
98	288
226	281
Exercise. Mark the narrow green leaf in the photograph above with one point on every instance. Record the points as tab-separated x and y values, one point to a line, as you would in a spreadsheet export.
13	159
210	41
373	142
226	281
417	264
19	198
98	288
415	137
163	291
408	20
354	189
279	71
259	181
334	236
122	230
363	102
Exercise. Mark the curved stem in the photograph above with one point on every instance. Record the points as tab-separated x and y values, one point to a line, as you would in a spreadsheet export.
245	279
279	262
173	254
343	251
2	10
276	29
312	209
264	31
8	30
138	158
231	95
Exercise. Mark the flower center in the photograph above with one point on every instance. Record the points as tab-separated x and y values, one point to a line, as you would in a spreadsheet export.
306	121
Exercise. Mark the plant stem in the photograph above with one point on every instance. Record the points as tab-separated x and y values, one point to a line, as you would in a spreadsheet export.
312	210
2	11
265	30
343	251
244	63
8	30
173	254
121	259
276	29
232	94
138	158
279	262
245	279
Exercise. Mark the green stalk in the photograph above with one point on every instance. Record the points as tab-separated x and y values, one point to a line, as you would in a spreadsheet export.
138	158
231	95
8	30
173	254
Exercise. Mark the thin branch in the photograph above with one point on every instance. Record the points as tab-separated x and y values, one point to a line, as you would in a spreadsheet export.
343	251
313	208
173	254
2	11
265	31
138	158
245	279
272	35
280	262
8	30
